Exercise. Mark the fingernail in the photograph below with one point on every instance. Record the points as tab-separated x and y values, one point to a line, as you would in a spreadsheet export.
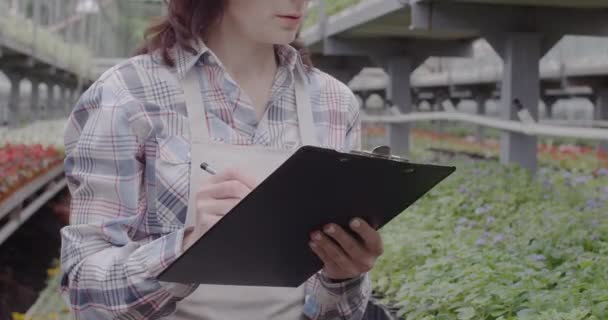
356	223
330	229
317	236
312	244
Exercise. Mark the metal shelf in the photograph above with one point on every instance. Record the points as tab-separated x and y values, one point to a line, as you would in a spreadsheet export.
13	206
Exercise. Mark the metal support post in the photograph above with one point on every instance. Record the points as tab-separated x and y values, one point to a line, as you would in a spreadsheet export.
520	89
34	100
455	102
481	100
400	93
549	104
50	104
68	97
75	96
14	99
61	101
602	113
440	98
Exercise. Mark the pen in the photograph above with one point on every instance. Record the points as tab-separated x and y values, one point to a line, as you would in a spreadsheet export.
205	166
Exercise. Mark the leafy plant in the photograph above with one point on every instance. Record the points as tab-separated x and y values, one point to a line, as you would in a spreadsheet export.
493	243
332	7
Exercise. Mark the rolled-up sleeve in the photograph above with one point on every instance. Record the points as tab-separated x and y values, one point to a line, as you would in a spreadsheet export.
106	274
326	300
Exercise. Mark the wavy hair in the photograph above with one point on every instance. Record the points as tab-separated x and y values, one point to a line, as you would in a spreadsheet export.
188	20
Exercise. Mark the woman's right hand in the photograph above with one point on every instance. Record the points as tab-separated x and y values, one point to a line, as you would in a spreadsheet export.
216	198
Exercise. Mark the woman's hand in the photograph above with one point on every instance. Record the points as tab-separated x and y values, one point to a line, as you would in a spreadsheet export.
216	198
350	257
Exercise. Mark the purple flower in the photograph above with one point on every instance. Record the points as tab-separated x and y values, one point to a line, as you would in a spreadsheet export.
481	241
567	174
463	189
581	180
490	220
458	229
499	238
605	190
602	172
593	204
537	257
462	221
483	209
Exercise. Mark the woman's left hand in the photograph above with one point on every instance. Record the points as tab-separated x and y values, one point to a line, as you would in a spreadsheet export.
350	257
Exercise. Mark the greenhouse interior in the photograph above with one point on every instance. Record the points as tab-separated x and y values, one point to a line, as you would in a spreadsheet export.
511	94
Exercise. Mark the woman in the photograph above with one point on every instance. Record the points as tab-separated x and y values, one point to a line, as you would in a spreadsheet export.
217	81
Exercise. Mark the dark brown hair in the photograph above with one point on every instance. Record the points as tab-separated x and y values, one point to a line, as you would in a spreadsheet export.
187	20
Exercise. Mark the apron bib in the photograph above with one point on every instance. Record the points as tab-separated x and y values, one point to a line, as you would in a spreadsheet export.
218	302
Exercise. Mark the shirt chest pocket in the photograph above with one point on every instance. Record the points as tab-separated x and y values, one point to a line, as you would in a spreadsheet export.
172	180
174	150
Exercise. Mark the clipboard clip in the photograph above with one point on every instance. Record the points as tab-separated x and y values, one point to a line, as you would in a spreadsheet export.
383	152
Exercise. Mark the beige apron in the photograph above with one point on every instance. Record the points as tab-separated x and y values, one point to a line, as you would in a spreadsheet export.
216	302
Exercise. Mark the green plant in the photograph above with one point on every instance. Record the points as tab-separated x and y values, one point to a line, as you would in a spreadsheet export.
332	7
493	243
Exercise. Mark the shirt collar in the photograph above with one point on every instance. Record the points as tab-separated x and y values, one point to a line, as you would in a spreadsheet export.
288	56
186	59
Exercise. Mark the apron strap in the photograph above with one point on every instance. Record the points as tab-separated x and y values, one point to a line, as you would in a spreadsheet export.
305	115
199	128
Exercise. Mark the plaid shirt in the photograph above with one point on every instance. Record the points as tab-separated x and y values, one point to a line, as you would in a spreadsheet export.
129	201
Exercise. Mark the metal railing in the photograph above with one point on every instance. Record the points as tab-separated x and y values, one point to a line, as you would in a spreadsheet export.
532	129
28	36
19	207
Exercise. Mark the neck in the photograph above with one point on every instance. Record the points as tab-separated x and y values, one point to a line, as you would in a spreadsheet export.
241	56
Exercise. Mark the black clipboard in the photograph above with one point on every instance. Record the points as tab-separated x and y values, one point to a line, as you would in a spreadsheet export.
264	240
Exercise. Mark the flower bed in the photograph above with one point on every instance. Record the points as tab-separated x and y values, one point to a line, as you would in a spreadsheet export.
493	243
20	164
567	156
27	153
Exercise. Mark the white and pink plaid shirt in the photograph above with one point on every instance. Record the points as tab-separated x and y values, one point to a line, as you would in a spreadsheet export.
128	214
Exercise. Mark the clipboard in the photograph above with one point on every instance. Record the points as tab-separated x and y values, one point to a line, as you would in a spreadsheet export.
263	241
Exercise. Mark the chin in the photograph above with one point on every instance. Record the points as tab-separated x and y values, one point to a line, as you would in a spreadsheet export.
284	38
